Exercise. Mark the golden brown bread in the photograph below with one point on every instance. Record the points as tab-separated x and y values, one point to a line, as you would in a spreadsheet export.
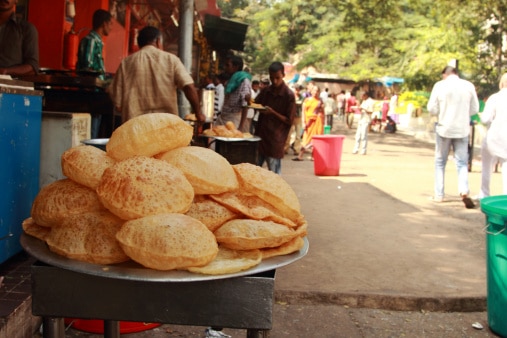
88	237
249	234
168	241
229	261
207	171
33	229
148	135
141	186
60	199
270	187
287	248
252	207
212	214
85	164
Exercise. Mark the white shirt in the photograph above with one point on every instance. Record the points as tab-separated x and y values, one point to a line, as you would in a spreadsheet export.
453	100
251	112
495	114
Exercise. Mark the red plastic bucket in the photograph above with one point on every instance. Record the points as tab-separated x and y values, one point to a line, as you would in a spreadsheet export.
97	326
327	154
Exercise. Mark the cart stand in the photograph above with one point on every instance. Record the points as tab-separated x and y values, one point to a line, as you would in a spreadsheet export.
240	302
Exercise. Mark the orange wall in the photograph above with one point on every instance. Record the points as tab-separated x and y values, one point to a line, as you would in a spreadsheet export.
48	16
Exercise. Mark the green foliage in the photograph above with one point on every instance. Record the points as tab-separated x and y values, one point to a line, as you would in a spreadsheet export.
366	39
419	99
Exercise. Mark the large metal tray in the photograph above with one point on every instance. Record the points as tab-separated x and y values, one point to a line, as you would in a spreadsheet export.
134	271
233	139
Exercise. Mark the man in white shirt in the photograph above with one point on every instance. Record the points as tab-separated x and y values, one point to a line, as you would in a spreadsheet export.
454	101
363	124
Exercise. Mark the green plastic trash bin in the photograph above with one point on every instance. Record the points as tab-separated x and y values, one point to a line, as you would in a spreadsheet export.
495	209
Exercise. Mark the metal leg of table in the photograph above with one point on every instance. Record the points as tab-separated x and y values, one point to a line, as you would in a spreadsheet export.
250	333
111	329
53	327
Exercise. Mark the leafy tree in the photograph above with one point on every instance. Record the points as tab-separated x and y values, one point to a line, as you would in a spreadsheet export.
367	39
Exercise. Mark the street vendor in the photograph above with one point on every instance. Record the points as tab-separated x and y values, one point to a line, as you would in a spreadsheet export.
147	81
19	46
238	91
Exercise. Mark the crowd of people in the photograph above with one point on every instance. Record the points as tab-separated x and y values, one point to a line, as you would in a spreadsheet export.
148	81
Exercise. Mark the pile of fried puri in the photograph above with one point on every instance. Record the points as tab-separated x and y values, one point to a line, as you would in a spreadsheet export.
227	130
155	200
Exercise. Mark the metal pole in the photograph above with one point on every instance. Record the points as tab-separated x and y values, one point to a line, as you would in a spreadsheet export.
53	327
111	329
185	48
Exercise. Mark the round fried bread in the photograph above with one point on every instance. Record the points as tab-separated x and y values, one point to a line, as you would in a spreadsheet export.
85	164
287	248
230	261
148	135
252	207
88	237
207	171
249	234
140	186
62	198
212	214
33	229
168	241
270	187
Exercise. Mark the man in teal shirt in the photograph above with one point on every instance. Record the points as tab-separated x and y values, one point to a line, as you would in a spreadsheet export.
90	57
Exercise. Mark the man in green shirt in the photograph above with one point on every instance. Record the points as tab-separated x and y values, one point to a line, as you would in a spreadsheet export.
90	57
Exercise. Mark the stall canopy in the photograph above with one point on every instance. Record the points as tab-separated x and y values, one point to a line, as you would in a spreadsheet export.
332	78
223	33
389	81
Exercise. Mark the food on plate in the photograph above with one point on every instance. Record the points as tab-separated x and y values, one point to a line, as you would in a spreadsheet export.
60	199
287	248
230	125
256	105
88	237
230	261
252	207
85	164
207	171
270	187
148	135
141	186
229	130
33	229
153	199
168	241
249	234
211	213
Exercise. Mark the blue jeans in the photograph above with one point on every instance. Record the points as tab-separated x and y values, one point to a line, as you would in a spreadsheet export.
442	147
274	164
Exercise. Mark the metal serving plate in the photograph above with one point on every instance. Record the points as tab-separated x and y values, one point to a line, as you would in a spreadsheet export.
134	271
228	139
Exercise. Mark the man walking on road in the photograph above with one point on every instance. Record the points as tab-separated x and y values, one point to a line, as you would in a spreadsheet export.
454	101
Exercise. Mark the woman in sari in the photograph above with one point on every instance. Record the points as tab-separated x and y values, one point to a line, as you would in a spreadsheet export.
313	115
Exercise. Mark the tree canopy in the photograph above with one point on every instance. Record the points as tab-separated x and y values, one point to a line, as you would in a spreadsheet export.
366	39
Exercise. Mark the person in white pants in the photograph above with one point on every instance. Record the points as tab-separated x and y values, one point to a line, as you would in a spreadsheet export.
494	145
363	125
